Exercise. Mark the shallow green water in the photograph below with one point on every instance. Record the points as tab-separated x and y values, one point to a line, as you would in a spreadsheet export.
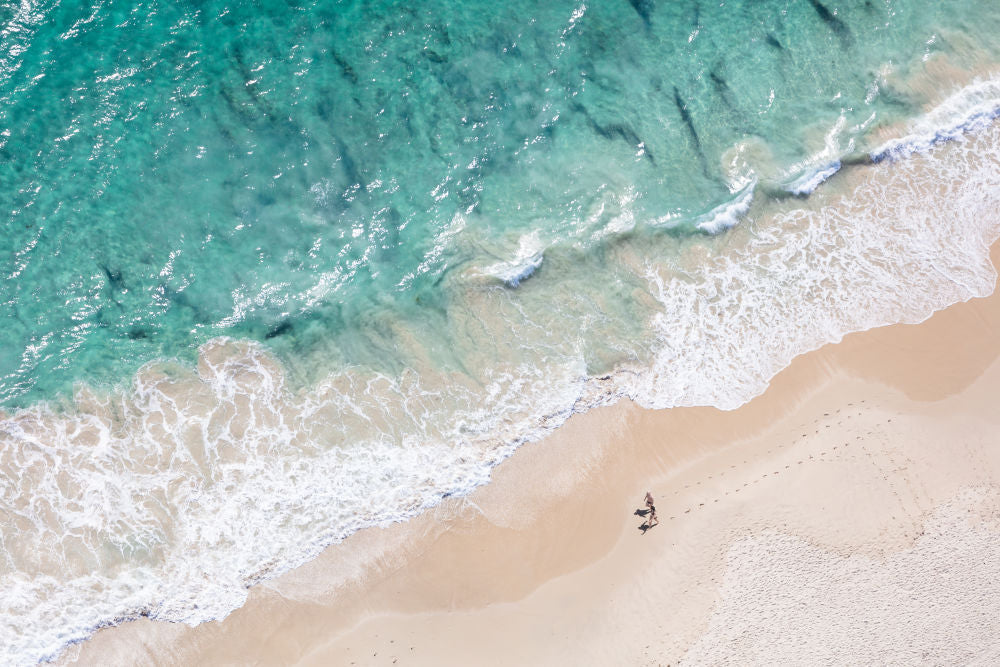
294	172
373	248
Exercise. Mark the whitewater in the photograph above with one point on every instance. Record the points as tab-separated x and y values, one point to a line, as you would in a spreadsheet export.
170	498
254	337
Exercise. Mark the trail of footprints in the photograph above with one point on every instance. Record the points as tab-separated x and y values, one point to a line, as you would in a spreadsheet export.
817	458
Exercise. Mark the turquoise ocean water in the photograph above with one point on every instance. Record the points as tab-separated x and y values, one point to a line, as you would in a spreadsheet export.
273	272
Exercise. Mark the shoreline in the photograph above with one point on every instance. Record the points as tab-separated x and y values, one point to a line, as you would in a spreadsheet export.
711	383
552	536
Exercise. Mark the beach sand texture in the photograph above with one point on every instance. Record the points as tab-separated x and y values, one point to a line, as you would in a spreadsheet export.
294	334
850	514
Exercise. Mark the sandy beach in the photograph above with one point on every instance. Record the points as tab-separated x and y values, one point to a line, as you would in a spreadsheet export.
359	334
849	514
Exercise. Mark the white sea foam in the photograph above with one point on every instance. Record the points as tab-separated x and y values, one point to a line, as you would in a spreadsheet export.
970	109
823	164
614	215
727	215
170	499
813	178
527	259
173	499
909	240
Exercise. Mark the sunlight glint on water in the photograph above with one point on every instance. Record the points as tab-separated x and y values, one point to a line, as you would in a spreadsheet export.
275	274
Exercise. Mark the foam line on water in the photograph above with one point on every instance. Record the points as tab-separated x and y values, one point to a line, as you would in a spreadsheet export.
807	183
169	499
228	483
526	261
908	241
727	215
970	109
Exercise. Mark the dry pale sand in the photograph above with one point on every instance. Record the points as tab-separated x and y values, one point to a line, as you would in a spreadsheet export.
849	515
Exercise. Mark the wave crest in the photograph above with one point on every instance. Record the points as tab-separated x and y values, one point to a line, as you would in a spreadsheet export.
170	499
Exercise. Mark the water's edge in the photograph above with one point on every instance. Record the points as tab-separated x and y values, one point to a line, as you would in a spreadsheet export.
642	385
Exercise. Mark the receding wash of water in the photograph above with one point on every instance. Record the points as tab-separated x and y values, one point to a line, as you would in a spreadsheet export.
275	272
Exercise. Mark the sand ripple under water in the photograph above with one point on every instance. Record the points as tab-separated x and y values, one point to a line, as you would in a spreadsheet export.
170	498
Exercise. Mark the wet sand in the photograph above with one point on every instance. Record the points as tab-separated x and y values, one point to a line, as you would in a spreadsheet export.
849	514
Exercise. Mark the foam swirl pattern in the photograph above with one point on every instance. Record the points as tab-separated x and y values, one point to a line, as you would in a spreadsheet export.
273	275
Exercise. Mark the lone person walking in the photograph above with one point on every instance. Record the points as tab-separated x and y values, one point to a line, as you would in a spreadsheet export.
651	518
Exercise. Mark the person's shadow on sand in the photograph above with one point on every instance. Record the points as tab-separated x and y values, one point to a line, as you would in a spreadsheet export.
645	525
